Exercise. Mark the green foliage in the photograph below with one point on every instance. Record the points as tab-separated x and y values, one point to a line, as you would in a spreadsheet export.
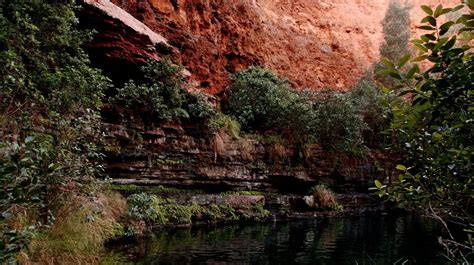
222	121
219	212
435	127
263	103
161	93
155	210
372	104
255	212
49	122
146	207
396	29
339	124
259	99
198	105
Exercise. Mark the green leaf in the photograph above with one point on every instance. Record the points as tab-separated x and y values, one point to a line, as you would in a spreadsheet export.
412	71
426	27
450	44
430	20
469	23
438	11
395	75
445	11
467	29
420	47
417	41
470	3
387	62
437	136
457	8
404	60
378	184
427	10
420	58
401	167
440	43
424	39
430	36
443	31
447	25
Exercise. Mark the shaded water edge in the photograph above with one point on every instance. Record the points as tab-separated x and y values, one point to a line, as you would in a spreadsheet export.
379	239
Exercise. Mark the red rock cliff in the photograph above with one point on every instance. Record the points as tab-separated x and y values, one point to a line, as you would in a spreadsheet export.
314	44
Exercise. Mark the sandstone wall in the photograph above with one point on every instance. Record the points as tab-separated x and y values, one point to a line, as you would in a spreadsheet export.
142	152
314	44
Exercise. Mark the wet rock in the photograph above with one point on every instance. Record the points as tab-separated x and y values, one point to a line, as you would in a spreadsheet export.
309	200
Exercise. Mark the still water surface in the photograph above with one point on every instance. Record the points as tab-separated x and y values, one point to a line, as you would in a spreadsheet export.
360	240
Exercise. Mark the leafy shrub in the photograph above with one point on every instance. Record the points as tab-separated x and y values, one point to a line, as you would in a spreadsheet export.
434	128
49	122
216	212
338	122
263	103
255	212
155	210
198	106
222	121
258	99
161	93
145	207
372	104
396	29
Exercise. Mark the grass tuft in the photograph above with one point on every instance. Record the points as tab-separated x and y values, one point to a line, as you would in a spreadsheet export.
325	198
77	237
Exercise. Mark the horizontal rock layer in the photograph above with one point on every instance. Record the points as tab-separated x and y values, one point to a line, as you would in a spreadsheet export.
184	156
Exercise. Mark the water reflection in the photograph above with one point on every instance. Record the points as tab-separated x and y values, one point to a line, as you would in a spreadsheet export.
362	240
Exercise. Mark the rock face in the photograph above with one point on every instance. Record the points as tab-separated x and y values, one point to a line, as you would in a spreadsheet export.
122	42
185	156
315	44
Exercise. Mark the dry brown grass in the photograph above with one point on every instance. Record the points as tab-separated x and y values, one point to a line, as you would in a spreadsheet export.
77	237
278	152
324	197
246	149
217	144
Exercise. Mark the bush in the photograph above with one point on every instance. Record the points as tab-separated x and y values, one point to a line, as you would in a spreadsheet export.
49	122
434	127
338	123
261	102
372	104
155	210
199	107
161	94
143	206
396	29
222	121
258	99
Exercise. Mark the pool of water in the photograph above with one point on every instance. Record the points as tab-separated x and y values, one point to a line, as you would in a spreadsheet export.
360	240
